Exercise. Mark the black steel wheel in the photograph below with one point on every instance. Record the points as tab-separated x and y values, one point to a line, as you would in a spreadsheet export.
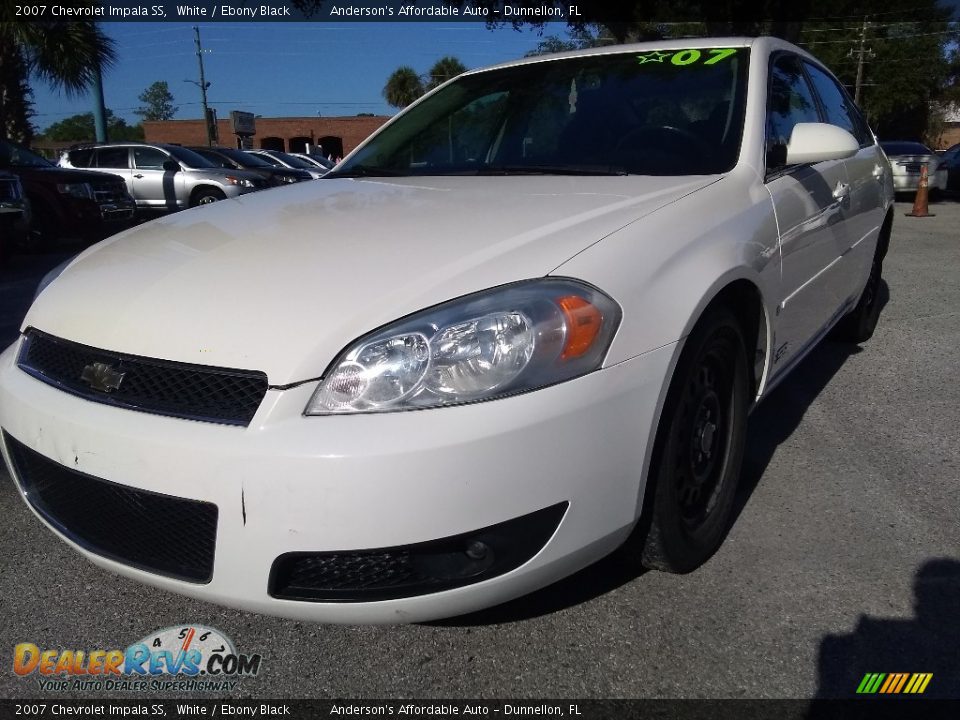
699	447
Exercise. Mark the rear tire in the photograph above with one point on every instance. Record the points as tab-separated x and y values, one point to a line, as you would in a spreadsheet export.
858	326
699	447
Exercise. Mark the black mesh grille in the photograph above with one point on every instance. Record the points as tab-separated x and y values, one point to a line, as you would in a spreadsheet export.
343	571
159	533
195	392
417	569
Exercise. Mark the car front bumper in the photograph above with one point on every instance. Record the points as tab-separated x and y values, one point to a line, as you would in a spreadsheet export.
294	484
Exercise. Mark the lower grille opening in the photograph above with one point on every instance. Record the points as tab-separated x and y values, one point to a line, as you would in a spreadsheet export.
158	533
418	569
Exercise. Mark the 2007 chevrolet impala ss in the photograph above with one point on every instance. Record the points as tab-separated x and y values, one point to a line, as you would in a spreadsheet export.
522	323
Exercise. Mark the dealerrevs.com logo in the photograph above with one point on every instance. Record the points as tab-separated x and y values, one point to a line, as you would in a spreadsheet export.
178	658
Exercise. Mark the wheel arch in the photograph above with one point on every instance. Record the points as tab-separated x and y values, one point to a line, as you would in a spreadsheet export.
202	188
743	295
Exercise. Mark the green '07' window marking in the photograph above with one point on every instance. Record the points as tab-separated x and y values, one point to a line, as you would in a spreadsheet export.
719	54
689	56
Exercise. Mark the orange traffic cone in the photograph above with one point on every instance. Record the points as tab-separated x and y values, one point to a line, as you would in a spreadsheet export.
920	202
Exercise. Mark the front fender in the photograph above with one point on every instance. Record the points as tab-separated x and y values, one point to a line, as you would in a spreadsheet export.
667	267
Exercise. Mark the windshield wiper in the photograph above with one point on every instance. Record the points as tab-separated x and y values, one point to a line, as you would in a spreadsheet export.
551	170
364	171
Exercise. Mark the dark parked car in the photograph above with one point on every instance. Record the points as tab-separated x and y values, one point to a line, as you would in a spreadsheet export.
234	159
14	214
75	202
950	161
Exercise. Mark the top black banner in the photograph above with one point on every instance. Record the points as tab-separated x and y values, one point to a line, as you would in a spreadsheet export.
574	12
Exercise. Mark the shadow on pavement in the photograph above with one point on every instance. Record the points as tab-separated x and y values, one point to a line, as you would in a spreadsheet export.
928	643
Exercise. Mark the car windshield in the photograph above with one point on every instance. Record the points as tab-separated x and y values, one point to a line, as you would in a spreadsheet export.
213	158
654	112
905	148
245	159
320	160
188	157
13	155
293	161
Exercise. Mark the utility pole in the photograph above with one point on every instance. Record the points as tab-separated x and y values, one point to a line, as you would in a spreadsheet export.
861	53
203	87
99	109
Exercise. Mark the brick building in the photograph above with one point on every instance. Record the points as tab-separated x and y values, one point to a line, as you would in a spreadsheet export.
336	135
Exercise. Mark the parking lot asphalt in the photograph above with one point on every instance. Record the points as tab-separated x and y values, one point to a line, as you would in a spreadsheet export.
844	557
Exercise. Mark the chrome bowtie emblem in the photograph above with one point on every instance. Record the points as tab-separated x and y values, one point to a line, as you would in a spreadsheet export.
102	377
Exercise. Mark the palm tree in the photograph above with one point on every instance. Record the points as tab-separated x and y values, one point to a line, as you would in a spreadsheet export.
66	54
444	69
403	87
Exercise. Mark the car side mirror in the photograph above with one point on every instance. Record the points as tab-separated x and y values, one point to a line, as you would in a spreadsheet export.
171	166
817	142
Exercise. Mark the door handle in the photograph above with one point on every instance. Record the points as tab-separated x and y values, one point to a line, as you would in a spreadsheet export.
138	176
878	172
841	191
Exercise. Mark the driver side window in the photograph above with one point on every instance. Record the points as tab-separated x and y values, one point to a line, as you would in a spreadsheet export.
790	102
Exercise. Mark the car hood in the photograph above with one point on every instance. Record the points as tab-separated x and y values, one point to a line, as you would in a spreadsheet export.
282	280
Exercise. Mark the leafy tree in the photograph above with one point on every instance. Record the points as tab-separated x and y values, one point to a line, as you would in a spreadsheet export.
79	128
443	69
577	39
906	70
65	54
403	87
158	102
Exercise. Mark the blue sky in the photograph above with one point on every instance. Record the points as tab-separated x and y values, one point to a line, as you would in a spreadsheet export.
281	69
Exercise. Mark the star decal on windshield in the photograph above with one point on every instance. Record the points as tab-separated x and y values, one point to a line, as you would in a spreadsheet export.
653	56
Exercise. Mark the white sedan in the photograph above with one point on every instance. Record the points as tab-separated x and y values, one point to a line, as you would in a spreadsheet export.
906	161
542	303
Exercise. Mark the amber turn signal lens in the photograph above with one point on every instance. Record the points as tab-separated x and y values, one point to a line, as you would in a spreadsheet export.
583	324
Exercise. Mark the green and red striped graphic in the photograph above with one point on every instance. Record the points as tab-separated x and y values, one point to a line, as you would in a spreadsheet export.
894	683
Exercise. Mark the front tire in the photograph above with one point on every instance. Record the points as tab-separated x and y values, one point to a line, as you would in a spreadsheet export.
207	196
699	447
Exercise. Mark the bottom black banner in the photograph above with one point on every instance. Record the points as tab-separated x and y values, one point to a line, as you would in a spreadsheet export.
867	709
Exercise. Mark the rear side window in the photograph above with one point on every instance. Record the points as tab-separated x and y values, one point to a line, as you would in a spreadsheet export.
147	158
838	106
790	102
112	157
80	158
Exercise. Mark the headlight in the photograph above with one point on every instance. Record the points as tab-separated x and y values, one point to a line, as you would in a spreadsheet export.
242	182
81	190
288	178
480	347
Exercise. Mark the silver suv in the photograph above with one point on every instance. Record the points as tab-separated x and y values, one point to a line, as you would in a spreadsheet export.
163	177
